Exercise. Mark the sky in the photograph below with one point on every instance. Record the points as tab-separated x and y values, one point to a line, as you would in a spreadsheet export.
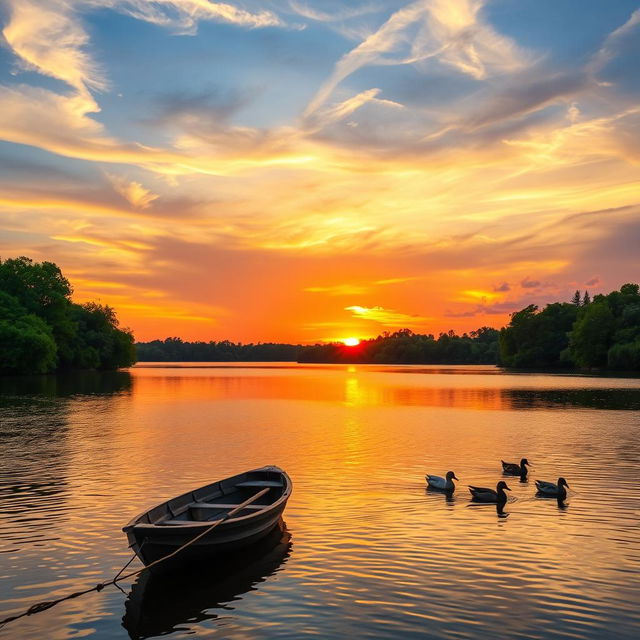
310	170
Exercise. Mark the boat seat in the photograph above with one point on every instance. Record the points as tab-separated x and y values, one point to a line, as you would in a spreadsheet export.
179	522
260	483
211	505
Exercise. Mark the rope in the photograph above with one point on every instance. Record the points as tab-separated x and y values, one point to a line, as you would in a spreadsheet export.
133	557
47	604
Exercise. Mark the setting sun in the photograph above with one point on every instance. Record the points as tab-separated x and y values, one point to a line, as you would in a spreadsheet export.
351	342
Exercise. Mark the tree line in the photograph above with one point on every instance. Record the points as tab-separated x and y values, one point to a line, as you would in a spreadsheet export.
598	333
42	330
177	350
403	347
406	347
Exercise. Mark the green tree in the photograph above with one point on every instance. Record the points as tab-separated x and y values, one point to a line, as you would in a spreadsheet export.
42	290
39	287
624	357
538	339
576	298
101	345
26	341
603	332
44	330
591	335
630	289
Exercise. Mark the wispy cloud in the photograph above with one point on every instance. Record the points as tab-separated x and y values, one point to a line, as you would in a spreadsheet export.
493	309
613	42
387	317
454	33
332	10
48	37
336	112
62	124
339	290
371	50
529	283
136	194
183	16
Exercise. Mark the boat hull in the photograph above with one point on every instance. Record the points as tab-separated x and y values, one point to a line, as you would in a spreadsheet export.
151	543
154	535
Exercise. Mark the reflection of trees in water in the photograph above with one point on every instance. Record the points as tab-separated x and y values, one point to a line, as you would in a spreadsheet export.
34	456
156	604
514	399
14	388
628	399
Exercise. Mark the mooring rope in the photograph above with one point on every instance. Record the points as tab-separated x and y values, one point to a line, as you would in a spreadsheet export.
47	604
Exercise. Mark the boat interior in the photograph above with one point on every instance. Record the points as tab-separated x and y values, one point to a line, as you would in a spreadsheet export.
215	500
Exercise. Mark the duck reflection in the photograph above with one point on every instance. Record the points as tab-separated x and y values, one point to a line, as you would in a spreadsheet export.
438	494
161	604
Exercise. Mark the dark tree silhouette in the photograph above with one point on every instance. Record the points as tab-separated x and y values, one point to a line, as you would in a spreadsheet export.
403	346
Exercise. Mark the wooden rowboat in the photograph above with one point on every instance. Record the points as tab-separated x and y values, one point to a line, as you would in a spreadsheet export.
165	528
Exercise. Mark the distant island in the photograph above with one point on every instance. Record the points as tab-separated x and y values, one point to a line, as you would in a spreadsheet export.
43	331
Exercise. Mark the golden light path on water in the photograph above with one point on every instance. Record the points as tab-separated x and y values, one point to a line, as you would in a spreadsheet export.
372	554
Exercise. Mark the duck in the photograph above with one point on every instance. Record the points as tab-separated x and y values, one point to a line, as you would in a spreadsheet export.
552	490
493	496
443	484
515	469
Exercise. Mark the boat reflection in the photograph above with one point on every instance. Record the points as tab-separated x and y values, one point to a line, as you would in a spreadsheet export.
161	604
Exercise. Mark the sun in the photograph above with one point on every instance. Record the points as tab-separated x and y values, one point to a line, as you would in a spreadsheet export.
351	342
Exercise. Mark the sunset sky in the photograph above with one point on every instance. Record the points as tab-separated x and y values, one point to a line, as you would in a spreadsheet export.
306	170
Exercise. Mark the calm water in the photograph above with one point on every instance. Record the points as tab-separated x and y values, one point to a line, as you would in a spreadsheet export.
367	551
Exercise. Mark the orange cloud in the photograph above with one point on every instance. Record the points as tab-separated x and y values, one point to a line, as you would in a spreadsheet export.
339	289
387	317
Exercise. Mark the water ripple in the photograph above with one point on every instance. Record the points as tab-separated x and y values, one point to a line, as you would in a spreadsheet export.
371	552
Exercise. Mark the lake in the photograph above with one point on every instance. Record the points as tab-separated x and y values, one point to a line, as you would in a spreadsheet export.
366	550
